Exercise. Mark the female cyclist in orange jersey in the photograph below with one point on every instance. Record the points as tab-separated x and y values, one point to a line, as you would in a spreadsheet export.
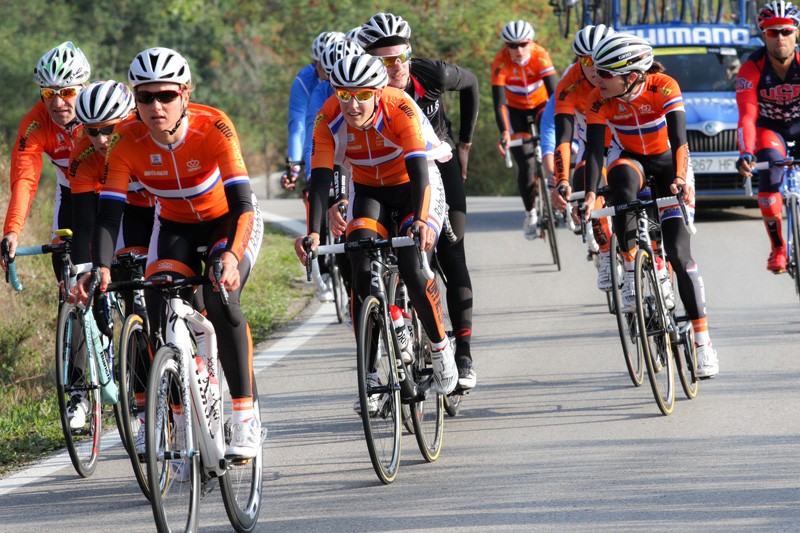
644	110
188	156
392	151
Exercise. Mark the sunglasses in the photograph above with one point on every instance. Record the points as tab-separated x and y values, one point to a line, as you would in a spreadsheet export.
105	130
785	32
514	46
586	61
361	96
390	61
165	97
64	93
606	75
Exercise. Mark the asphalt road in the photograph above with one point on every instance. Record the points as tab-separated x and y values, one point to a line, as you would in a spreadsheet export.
555	437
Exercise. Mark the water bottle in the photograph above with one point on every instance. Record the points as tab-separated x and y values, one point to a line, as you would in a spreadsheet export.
209	392
403	332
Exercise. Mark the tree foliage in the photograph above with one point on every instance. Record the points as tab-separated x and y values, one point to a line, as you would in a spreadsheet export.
244	55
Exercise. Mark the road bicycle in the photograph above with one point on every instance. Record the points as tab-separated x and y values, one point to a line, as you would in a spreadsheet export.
790	190
86	365
665	339
378	350
546	223
185	426
573	15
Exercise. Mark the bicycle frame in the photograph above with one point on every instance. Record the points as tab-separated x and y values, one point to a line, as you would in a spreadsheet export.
206	419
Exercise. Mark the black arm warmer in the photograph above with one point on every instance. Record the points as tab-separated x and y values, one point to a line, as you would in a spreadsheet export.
84	210
595	148
550	83
565	125
417	168
321	179
499	101
106	229
468	104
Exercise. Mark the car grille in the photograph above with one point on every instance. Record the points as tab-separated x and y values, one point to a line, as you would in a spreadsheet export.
725	182
724	141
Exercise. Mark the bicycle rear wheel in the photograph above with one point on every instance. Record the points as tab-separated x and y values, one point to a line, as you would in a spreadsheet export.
427	414
375	353
73	371
656	346
134	345
686	359
548	219
627	325
794	259
173	459
340	296
241	485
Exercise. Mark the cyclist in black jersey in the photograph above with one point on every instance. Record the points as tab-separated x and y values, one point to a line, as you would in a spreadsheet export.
426	80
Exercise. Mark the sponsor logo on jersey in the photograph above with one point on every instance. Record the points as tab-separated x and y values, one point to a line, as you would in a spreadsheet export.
743	84
193	165
59	138
155	159
155	172
666	91
780	93
23	141
645	109
405	108
224	128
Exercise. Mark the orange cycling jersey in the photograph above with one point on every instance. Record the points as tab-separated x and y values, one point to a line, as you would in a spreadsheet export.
86	169
639	125
524	85
37	135
377	155
187	178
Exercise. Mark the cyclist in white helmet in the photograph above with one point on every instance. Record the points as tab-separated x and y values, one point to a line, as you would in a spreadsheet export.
299	96
523	77
188	156
49	128
392	150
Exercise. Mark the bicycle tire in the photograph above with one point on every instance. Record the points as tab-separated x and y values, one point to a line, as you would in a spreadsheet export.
626	322
548	220
375	349
686	359
794	223
340	299
174	500
656	346
132	340
427	414
83	445
242	484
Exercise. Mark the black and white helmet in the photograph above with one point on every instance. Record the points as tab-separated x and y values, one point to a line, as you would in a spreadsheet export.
337	50
589	37
622	53
517	31
361	71
159	65
352	35
384	29
62	66
322	41
104	101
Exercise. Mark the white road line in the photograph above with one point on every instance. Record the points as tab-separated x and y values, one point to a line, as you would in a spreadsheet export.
262	359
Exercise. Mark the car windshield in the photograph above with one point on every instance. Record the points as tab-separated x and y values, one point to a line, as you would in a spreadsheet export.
701	69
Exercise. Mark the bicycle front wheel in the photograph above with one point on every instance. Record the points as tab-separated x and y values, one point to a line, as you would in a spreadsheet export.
134	350
626	322
379	398
651	318
241	485
74	385
548	220
686	360
427	413
173	459
794	260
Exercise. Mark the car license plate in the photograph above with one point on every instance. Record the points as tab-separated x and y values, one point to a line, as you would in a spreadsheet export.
713	164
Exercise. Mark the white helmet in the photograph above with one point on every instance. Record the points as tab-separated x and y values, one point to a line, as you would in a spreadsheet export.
517	31
159	65
337	50
62	66
352	35
587	39
384	29
622	53
363	71
322	41
104	101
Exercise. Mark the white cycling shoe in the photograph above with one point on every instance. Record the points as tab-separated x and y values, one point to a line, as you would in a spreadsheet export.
445	371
